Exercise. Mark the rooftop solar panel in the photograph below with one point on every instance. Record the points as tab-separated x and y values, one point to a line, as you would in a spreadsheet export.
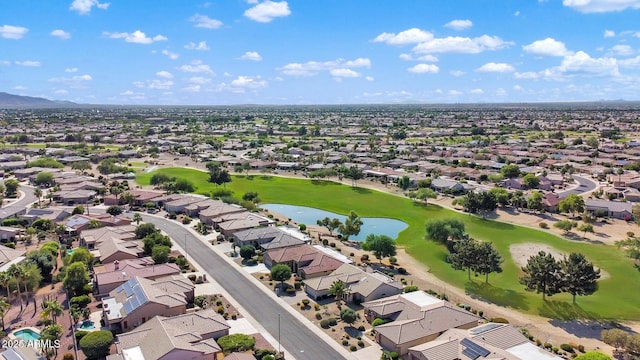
484	328
470	354
475	347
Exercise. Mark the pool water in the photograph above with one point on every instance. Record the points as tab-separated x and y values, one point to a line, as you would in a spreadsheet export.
87	325
27	335
310	216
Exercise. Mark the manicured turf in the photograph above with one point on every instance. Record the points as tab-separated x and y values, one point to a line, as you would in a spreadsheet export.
617	297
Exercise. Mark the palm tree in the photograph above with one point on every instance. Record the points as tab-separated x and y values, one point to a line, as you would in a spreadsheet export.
4	307
137	218
5	277
16	272
338	289
51	309
37	192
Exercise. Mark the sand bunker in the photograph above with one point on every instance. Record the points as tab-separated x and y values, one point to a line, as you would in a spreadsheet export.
522	252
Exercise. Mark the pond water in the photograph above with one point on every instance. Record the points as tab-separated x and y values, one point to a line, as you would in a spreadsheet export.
310	216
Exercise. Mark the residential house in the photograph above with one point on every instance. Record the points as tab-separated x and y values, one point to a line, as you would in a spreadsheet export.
51	213
89	237
550	202
218	210
111	275
614	209
71	197
304	260
513	183
242	221
138	300
179	205
446	185
364	285
189	336
9	256
417	326
266	238
8	233
486	341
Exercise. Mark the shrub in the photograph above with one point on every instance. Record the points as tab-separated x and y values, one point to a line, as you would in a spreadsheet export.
543	225
567	347
306	301
345	342
393	260
192	277
318	316
333	321
236	342
410	288
402	271
353	348
379	321
96	344
68	356
360	343
581	348
499	320
324	323
80	301
80	334
361	328
547	345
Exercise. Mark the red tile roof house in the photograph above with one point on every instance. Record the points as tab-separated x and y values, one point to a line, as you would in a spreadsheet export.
189	336
364	285
231	223
304	260
218	210
111	275
90	237
139	300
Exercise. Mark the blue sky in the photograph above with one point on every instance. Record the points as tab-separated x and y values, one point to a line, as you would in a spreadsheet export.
320	52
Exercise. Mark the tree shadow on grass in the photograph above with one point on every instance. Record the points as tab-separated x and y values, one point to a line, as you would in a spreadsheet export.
266	177
322	182
361	190
590	329
563	310
499	296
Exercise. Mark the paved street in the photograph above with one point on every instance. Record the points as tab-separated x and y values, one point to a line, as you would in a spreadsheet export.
296	337
21	204
585	185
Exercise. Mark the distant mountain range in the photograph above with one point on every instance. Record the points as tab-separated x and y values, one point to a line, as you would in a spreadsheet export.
17	101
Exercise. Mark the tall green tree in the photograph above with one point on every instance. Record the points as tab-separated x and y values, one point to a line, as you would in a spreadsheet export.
571	204
464	255
76	278
510	171
579	275
488	260
542	274
4	307
11	187
330	224
535	201
444	230
381	245
281	272
338	289
351	226
424	194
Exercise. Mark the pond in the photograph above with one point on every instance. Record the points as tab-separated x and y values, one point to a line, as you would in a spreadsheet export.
310	216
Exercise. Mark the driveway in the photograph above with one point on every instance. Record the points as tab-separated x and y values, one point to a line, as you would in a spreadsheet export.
298	339
585	185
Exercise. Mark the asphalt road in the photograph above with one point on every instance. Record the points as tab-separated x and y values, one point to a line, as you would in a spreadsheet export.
295	337
584	185
20	205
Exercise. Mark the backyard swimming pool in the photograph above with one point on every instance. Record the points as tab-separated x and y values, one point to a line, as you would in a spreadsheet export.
87	325
310	216
27	334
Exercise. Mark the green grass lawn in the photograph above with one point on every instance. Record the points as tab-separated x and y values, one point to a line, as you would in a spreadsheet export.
616	298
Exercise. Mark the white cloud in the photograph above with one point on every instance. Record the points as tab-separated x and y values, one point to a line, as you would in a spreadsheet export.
203	21
201	46
170	55
199	80
12	32
344	72
164	74
28	63
192	88
251	55
529	75
547	47
459	24
609	33
160	84
455	92
464	45
20	87
622	50
248	82
196	66
61	92
5	63
424	69
312	68
77	81
582	64
495	67
127	93
410	36
427	57
60	34
601	6
477	91
267	11
84	6
136	37
369	78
